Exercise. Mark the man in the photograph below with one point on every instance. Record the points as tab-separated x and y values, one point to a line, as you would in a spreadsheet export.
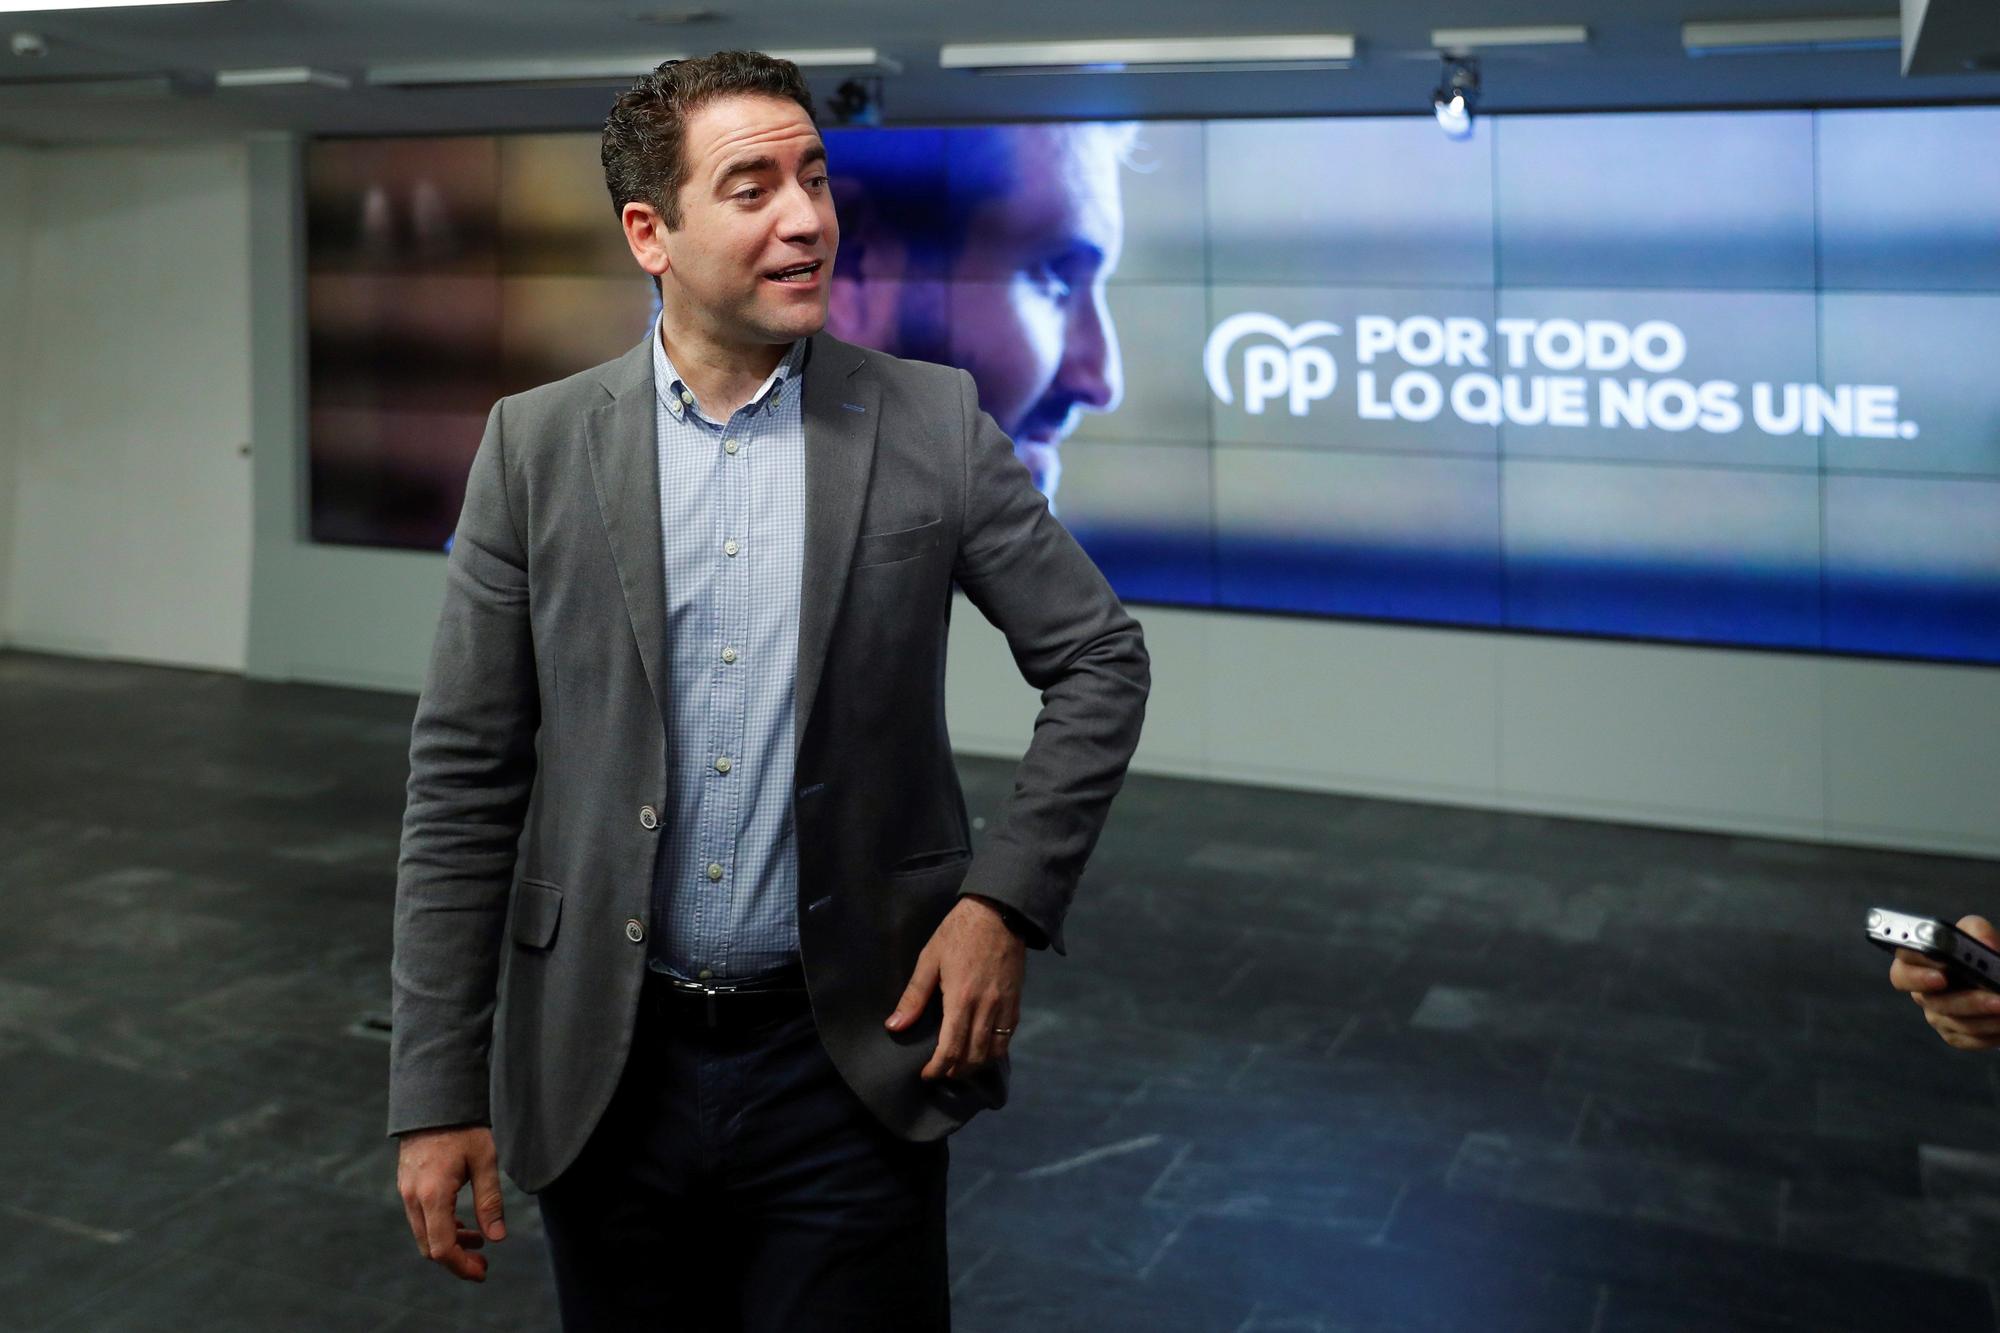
1001	272
688	936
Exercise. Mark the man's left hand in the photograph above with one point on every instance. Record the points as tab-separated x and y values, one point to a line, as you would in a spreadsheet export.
978	963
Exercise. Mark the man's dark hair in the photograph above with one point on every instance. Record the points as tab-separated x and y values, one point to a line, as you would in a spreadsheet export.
644	145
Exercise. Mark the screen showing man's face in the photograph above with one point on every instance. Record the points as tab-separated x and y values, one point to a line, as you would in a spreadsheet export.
1477	382
1028	316
1012	287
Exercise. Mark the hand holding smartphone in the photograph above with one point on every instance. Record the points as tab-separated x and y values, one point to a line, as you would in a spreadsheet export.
1951	972
1963	959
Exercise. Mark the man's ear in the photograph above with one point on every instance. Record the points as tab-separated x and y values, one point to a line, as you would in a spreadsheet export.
863	298
645	233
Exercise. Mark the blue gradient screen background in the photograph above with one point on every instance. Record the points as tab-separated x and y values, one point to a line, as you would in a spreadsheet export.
1846	257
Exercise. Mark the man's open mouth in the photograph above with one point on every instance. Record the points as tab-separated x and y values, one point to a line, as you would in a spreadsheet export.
796	273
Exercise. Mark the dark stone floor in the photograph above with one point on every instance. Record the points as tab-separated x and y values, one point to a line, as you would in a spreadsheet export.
1313	1063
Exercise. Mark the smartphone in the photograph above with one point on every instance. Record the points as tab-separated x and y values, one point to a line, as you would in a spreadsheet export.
1966	960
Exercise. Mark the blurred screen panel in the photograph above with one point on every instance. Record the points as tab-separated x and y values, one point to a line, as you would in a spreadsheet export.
1909	199
1164	204
1696	199
1374	201
551	327
1712	555
554	213
1929	359
891	194
389	476
403	205
1142	511
1913	566
1370	535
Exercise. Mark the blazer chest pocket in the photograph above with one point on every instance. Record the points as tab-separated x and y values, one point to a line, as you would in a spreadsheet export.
885	548
537	908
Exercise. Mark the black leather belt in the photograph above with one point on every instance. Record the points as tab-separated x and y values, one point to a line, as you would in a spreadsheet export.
726	1003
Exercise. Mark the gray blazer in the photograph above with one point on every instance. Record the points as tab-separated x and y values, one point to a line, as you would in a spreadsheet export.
540	738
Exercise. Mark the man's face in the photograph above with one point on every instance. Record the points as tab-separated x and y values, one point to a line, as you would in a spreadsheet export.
1028	314
755	202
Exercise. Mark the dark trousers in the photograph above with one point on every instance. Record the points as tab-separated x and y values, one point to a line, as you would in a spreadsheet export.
736	1183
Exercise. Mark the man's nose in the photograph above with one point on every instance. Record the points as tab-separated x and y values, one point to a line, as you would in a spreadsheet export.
1092	371
800	220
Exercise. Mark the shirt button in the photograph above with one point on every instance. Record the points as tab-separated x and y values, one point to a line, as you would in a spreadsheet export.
687	397
715	870
649	818
729	654
729	547
722	763
634	930
729	446
703	975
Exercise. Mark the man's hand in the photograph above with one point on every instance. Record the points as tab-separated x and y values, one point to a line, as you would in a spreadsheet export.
978	963
1966	1016
431	1166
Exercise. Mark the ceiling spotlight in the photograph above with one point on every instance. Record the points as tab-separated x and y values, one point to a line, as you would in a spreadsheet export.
1456	93
857	102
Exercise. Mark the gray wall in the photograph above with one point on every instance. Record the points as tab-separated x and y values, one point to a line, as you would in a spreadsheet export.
13	332
127	401
1884	753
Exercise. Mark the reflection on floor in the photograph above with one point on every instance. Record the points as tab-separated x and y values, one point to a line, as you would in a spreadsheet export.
1312	1063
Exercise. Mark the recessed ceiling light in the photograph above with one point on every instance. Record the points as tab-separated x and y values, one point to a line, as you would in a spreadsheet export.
1792	36
1466	40
1152	55
455	73
282	76
590	71
38	6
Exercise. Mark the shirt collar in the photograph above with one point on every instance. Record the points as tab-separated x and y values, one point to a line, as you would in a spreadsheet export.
679	399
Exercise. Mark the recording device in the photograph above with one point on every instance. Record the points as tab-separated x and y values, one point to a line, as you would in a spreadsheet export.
1966	960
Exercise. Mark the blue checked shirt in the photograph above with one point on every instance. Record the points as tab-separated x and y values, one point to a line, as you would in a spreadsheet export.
732	525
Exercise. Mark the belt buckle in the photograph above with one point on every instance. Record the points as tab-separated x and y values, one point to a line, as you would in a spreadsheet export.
705	990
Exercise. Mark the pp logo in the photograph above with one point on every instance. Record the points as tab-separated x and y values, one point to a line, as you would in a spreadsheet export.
1295	371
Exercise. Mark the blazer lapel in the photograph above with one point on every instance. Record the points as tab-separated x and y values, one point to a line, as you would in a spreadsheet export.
621	437
840	416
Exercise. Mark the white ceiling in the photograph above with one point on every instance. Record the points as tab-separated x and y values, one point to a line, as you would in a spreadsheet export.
1634	60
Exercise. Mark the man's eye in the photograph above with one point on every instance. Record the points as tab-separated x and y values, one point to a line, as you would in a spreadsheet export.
818	180
1047	276
747	195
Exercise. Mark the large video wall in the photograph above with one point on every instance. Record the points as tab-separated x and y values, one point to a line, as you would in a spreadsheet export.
1719	378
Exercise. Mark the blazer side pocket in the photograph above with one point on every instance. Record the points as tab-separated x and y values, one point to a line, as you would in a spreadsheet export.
883	548
928	861
537	908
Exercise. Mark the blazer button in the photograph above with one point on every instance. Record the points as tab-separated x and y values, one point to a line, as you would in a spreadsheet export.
649	818
634	931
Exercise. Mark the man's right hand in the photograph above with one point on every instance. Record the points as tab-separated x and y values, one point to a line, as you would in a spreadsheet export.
431	1167
1966	1016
